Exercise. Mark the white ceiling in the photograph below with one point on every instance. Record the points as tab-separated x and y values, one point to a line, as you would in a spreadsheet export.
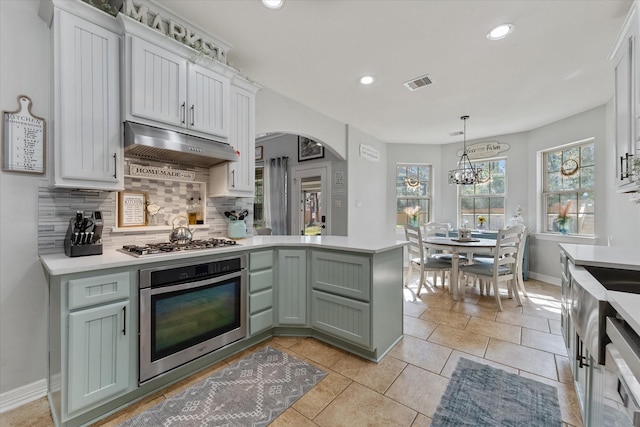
554	65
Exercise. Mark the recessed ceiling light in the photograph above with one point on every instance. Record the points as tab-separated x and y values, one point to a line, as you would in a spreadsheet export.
273	4
500	32
366	80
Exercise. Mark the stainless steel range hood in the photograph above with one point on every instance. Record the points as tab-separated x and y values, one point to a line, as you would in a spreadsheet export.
164	145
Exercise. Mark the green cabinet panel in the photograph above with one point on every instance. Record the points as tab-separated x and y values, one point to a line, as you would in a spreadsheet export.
98	289
261	321
292	287
260	301
341	274
260	280
260	260
98	354
342	317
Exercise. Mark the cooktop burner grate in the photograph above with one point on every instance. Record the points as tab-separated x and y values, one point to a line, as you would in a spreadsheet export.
164	247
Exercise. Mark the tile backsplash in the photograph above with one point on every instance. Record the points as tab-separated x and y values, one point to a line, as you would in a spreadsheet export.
57	206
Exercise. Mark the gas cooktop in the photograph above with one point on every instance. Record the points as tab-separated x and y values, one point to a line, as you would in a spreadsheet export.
165	247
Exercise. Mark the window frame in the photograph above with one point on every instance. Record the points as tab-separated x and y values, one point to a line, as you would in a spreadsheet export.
422	218
542	217
474	162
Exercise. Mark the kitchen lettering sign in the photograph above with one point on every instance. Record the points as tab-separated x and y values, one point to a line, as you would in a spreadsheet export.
23	139
164	173
170	28
483	150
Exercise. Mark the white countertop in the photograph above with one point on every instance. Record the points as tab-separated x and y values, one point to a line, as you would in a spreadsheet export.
627	258
628	306
57	264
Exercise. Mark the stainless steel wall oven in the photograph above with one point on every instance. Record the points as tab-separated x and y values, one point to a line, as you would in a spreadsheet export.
189	310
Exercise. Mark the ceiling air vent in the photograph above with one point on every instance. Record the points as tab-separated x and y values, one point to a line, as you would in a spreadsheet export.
456	133
418	82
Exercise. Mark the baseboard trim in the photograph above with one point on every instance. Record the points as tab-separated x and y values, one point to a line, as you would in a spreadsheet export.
544	278
22	395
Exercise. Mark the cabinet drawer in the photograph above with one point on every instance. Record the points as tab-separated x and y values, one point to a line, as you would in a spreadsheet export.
260	260
260	280
342	317
261	321
98	289
260	301
341	274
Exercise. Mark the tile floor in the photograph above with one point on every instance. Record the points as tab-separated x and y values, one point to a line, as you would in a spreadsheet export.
405	387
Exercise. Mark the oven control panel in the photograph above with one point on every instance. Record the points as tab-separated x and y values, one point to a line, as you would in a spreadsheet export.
170	275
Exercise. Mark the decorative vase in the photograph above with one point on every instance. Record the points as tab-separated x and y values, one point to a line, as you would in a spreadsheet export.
413	221
480	226
563	227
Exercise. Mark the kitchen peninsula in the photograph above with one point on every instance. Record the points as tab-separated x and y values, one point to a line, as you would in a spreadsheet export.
344	291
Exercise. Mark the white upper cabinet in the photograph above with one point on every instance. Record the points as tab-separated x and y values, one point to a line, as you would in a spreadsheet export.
237	179
166	89
208	101
159	83
87	140
627	100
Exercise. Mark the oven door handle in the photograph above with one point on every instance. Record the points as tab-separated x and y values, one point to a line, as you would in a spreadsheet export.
191	285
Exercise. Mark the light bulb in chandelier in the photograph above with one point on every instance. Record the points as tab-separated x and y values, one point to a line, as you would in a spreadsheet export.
465	173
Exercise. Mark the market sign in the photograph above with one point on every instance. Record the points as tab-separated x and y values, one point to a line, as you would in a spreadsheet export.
483	150
170	28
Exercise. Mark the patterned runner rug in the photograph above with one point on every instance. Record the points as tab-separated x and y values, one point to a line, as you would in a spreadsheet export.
480	395
251	392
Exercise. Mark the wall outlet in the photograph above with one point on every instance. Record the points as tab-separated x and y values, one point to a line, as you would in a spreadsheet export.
337	203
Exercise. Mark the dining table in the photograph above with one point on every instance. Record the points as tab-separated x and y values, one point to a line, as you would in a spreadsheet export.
456	246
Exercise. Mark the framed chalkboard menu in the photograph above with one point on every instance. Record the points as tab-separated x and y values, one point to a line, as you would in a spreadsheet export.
23	139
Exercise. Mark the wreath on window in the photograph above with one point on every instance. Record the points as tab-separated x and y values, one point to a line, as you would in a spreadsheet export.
569	167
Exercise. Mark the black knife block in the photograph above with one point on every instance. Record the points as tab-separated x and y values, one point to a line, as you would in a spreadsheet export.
75	250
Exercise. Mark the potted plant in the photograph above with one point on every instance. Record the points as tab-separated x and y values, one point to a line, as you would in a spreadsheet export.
412	213
563	220
481	222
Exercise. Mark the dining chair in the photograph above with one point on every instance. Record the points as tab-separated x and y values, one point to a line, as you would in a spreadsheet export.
419	258
522	241
439	229
503	269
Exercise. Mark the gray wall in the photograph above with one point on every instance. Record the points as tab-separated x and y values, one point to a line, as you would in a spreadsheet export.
367	188
24	70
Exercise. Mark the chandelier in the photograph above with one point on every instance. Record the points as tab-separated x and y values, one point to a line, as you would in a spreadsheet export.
464	174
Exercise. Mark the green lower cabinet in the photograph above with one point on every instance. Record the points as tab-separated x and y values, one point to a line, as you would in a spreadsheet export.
342	274
292	287
343	317
260	321
260	311
99	340
261	291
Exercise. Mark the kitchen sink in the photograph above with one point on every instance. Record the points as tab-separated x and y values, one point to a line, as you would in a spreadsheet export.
614	279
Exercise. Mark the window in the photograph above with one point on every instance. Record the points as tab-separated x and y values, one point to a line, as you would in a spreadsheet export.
485	200
568	202
413	194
